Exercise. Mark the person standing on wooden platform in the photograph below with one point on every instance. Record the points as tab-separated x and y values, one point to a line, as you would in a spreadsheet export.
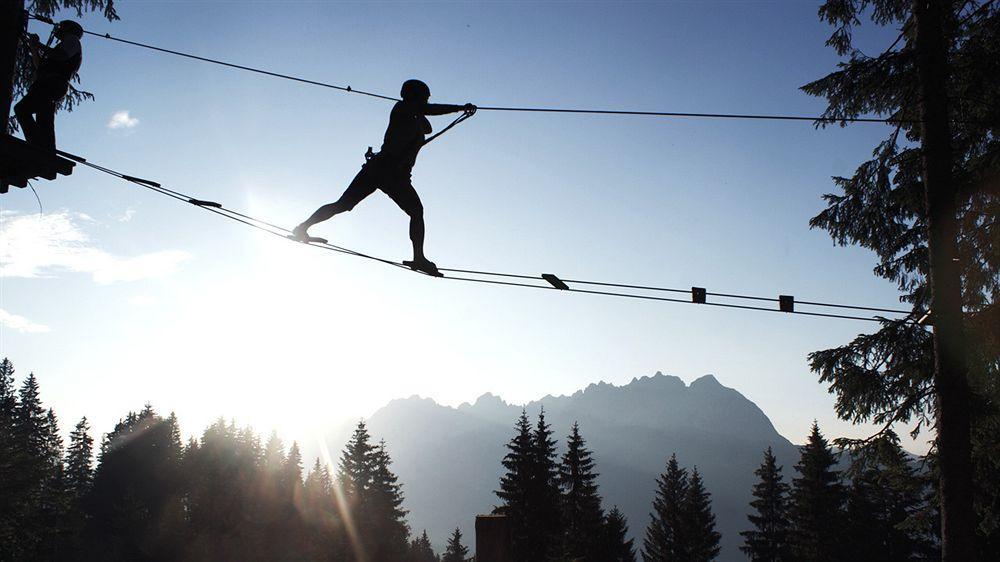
390	169
54	68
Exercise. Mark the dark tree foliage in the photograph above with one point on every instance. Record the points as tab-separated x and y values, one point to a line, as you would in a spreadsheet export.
372	491
80	460
455	551
220	497
8	402
24	71
617	547
665	540
888	515
817	503
546	491
582	516
386	517
135	505
768	541
78	478
886	377
702	538
319	513
37	490
529	491
420	550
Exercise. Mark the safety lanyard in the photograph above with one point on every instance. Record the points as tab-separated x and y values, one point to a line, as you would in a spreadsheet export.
465	115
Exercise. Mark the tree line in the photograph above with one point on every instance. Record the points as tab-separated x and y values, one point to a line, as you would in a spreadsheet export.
881	507
226	496
229	495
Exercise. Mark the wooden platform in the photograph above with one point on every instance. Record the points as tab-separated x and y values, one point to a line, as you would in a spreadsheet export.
20	162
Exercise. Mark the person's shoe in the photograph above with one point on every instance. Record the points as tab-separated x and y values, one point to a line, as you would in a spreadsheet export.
301	234
423	265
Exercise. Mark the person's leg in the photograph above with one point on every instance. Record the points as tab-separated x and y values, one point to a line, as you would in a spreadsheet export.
403	194
24	110
362	186
45	121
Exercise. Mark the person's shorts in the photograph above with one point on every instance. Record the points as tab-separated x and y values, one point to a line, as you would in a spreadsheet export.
382	175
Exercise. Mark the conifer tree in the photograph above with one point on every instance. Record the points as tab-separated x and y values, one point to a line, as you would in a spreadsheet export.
888	376
516	486
78	475
374	496
617	547
80	460
355	465
455	551
135	502
699	521
885	504
420	550
274	454
768	541
817	503
36	477
546	508
8	404
582	517
385	510
291	472
319	513
665	540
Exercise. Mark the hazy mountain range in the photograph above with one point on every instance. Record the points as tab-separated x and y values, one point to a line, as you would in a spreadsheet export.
449	458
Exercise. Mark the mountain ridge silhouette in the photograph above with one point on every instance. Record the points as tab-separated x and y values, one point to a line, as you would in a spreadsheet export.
448	458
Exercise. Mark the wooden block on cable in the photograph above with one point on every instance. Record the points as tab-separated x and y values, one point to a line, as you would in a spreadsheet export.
21	162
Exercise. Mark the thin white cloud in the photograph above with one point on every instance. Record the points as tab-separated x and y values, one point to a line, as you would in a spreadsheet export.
127	216
122	120
38	246
20	323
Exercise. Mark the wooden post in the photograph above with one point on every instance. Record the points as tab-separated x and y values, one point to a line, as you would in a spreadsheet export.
950	362
11	26
493	539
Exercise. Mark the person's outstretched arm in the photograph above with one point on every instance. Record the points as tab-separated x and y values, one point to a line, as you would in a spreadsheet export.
445	108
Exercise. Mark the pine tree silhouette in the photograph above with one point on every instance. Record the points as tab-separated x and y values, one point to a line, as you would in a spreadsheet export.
768	542
37	489
699	521
455	551
515	485
886	502
79	477
817	503
386	514
529	490
80	460
616	547
582	516
547	516
665	540
136	509
420	550
8	473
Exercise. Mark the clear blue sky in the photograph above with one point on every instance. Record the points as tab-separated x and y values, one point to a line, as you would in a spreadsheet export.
118	296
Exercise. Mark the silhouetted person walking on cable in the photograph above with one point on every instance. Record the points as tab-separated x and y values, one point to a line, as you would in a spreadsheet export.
390	169
54	68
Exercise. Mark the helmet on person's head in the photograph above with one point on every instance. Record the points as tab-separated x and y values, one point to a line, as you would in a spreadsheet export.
414	90
69	27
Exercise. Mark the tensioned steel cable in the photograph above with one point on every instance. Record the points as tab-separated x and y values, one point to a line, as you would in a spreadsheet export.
351	90
284	233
